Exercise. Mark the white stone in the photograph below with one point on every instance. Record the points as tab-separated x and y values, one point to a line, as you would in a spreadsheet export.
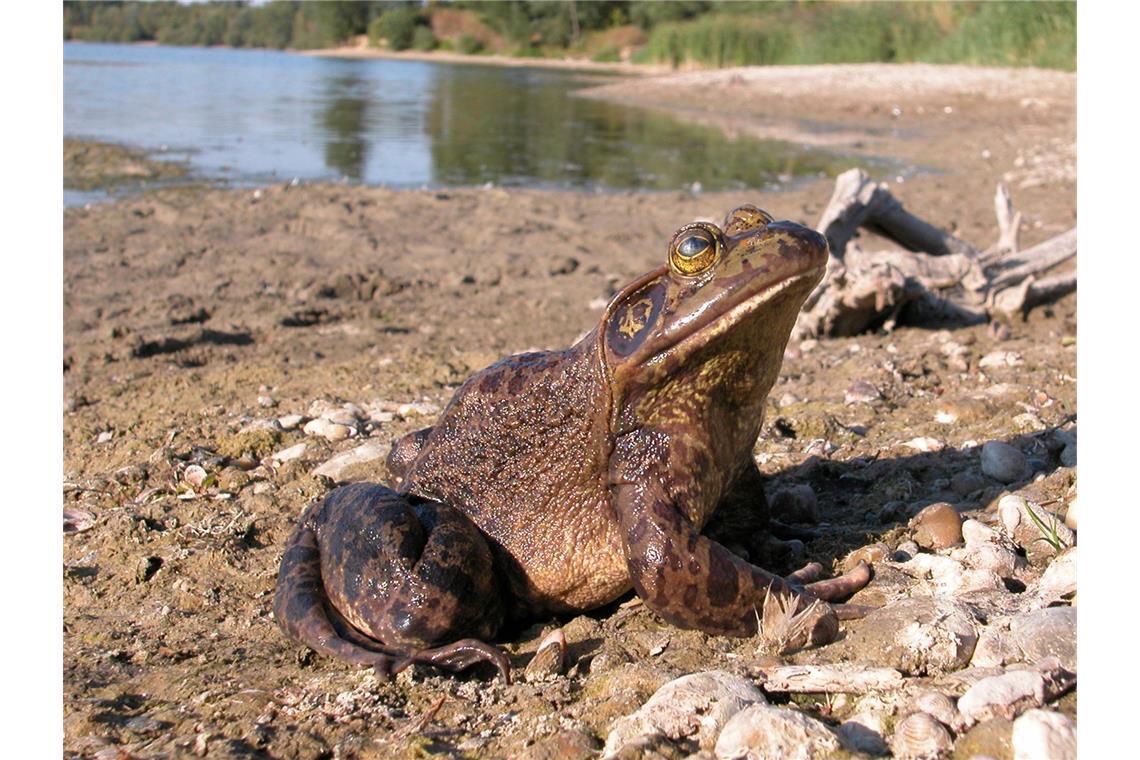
761	731
291	453
1044	734
863	732
1003	696
369	451
327	429
695	707
290	421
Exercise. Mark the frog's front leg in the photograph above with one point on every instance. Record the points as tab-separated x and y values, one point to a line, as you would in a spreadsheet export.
689	579
369	578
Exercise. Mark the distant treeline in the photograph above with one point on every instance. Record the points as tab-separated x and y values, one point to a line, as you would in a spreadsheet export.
677	32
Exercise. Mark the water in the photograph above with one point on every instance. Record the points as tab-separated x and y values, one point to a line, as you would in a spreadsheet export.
252	117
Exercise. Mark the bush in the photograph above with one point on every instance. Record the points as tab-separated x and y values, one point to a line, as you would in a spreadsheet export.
397	26
423	39
468	44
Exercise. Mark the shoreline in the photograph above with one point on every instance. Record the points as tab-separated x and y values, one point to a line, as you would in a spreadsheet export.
356	52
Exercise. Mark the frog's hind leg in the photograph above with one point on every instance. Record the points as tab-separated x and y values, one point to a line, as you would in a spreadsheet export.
376	581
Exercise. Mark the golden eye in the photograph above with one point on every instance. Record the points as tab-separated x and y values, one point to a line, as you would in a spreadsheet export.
694	249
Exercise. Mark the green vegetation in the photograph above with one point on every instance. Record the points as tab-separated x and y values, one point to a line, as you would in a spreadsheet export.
678	32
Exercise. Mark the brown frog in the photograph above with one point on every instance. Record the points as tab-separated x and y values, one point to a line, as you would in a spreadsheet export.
555	482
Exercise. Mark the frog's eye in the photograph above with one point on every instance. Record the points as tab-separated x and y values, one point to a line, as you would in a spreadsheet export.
694	249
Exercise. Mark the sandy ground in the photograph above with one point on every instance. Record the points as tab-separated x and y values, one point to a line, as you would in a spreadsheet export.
195	316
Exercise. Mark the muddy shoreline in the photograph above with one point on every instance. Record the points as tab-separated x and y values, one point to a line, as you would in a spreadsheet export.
196	317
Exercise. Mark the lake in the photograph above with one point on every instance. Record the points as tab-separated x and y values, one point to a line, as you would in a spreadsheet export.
248	117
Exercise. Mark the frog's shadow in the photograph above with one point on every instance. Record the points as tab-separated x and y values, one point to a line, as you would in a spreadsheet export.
864	499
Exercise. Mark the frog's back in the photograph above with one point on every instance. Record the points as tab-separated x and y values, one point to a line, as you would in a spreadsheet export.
523	449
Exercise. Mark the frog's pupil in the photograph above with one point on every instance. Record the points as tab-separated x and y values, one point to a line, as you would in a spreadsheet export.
691	246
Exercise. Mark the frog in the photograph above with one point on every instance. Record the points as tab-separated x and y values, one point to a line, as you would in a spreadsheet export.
556	482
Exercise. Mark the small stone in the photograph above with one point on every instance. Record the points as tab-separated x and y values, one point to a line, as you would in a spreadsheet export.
861	392
266	401
293	452
1071	514
694	707
336	467
1041	535
104	436
1000	358
417	409
1027	422
1003	462
1004	696
1044	734
905	551
762	731
871	553
290	421
863	732
195	476
76	520
919	635
327	429
937	526
1069	455
550	657
796	504
924	444
1059	581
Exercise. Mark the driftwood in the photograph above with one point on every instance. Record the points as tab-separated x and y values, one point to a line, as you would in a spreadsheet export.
847	678
937	278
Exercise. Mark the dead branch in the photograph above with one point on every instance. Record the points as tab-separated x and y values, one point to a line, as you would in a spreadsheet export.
848	679
938	278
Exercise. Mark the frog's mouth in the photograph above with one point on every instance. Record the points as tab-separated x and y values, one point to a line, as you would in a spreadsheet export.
718	318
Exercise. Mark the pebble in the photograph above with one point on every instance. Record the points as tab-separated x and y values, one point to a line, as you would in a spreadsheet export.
417	408
1059	581
1000	560
795	504
1000	358
861	392
871	553
1069	455
291	453
938	526
863	732
1003	462
369	451
1050	632
266	401
290	421
1044	734
919	635
949	576
1071	514
693	707
1013	511
923	444
195	475
104	436
905	551
919	736
76	520
1003	696
762	731
550	657
327	429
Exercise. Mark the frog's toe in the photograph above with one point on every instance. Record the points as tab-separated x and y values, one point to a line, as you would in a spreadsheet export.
806	574
460	655
842	587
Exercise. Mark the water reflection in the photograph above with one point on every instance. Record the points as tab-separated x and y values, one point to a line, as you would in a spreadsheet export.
344	121
260	116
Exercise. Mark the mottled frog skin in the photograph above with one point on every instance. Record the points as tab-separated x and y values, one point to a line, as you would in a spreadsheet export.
557	481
